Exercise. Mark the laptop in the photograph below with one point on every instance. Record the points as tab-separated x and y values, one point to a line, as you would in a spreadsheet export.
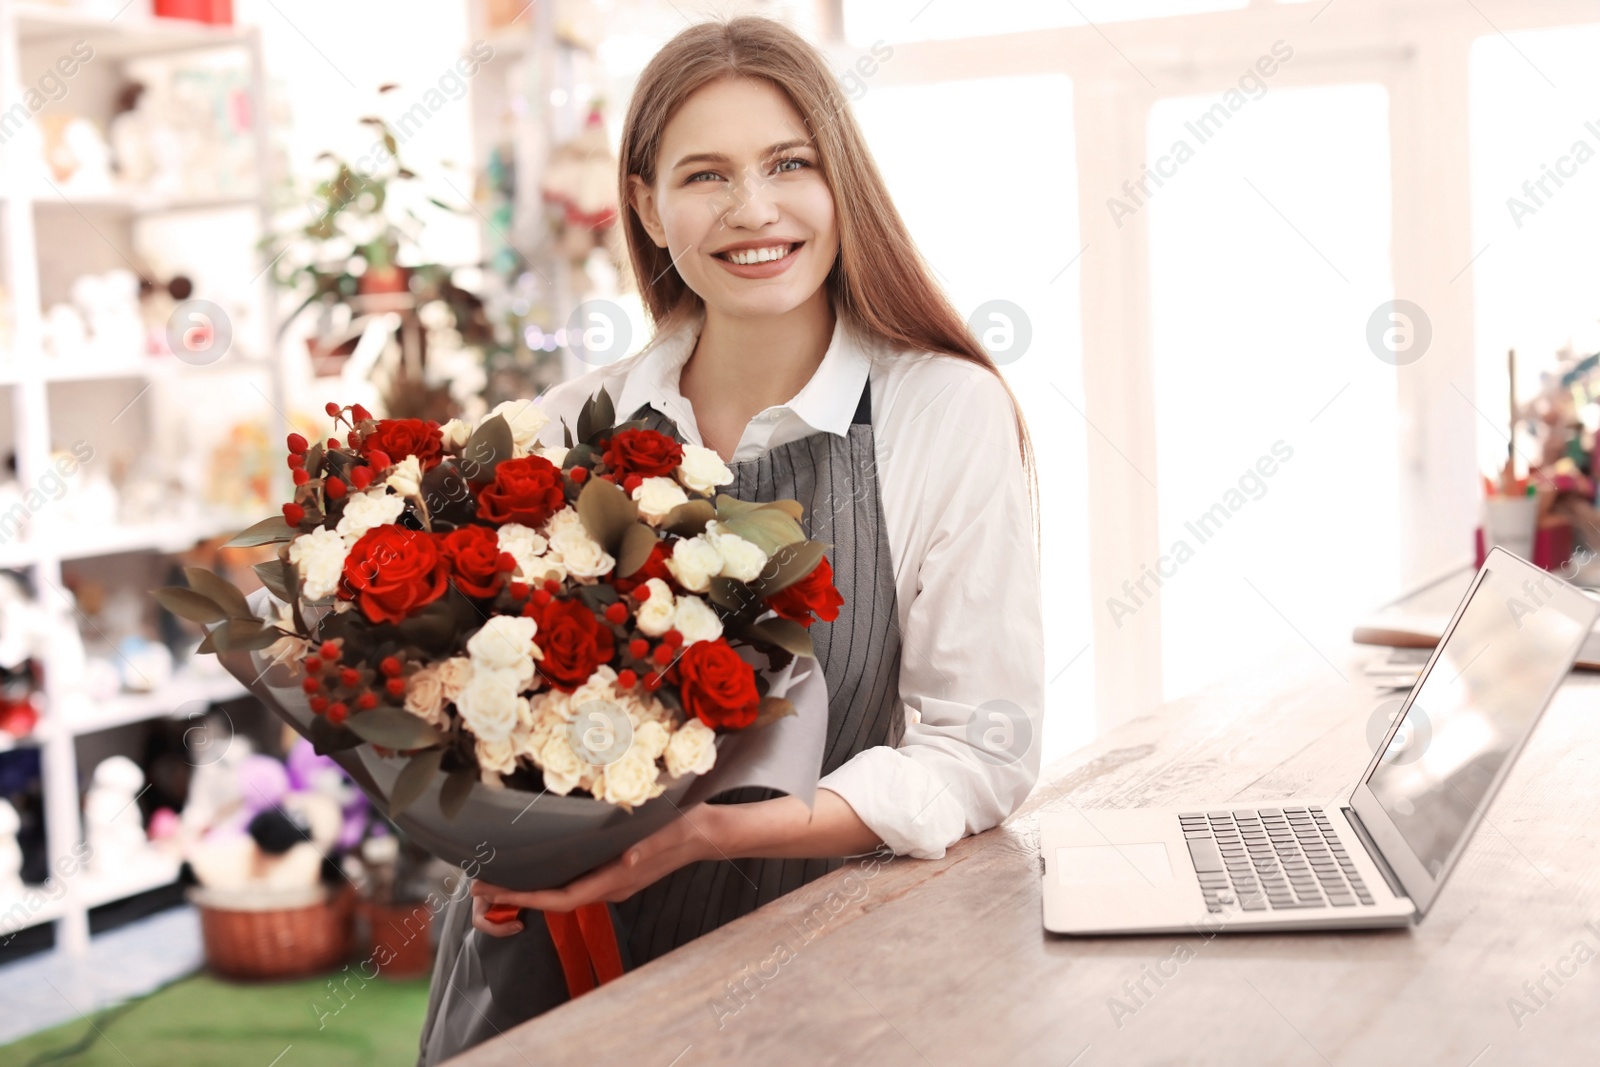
1375	858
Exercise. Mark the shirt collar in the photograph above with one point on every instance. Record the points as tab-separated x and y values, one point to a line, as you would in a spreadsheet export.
826	402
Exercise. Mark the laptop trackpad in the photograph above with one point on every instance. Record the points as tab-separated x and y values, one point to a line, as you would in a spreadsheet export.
1142	863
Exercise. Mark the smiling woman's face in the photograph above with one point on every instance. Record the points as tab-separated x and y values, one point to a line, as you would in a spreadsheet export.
738	179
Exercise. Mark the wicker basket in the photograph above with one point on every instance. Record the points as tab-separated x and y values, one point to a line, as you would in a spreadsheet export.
277	935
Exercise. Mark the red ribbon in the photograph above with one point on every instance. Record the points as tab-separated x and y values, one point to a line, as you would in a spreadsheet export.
585	941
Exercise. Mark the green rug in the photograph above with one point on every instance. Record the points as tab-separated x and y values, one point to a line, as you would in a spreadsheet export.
201	1022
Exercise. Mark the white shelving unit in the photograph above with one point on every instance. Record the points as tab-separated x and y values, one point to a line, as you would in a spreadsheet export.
31	35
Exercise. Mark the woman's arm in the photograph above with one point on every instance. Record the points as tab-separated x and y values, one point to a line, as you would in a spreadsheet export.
781	829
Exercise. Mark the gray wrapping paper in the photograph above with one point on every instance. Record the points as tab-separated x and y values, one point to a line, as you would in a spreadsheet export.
540	840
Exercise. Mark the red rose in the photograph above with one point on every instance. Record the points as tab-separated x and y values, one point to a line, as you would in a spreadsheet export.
643	452
654	566
473	555
717	686
526	491
813	593
399	438
391	571
573	640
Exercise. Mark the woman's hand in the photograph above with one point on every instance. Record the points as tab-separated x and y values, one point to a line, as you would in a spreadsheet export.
783	828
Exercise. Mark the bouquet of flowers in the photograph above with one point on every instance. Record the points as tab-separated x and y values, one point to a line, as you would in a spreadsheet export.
475	622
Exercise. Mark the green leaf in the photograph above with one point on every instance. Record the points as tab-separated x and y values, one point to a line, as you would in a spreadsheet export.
243	635
326	737
453	794
278	576
687	520
188	604
767	528
603	414
414	779
771	710
393	728
580	455
221	591
732	594
789	565
207	646
785	633
637	542
266	532
729	506
606	512
566	435
791	508
489	445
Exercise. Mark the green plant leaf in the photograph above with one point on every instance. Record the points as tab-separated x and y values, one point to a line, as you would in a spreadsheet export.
579	456
488	447
413	779
276	575
606	512
689	519
767	528
393	728
453	794
637	542
791	508
266	532
729	506
221	591
188	603
785	633
789	565
326	737
734	595
243	635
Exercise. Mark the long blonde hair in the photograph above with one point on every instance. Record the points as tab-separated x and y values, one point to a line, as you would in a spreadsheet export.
880	282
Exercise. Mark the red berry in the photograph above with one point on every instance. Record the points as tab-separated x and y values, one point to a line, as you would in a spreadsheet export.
332	409
329	650
361	413
580	474
311	685
361	477
519	590
319	704
672	638
352	439
349	676
662	654
367	701
298	444
641	592
541	597
313	663
529	610
337	712
626	679
294	514
505	561
638	648
334	488
300	477
552	585
379	459
390	666
652	682
333	444
630	483
396	687
617	613
296	462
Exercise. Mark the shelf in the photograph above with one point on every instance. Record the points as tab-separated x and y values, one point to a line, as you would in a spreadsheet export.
134	202
16	915
177	698
94	891
122	37
80	543
50	369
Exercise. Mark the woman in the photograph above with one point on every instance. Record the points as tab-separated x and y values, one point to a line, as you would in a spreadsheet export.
800	336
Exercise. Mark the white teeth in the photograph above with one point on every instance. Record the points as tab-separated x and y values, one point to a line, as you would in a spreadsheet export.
749	256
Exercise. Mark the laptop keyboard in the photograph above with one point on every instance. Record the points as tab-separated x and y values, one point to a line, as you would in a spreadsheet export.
1277	858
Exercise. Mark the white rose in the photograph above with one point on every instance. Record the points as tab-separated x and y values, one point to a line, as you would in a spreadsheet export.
524	417
425	696
601	685
497	757
654	616
562	767
565	519
702	469
406	477
741	559
581	554
694	560
454	674
320	557
490	706
556	454
505	642
528	547
630	781
651	739
692	749
364	511
642	708
456	434
656	497
694	619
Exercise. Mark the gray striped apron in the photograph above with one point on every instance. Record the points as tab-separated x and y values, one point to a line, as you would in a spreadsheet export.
485	985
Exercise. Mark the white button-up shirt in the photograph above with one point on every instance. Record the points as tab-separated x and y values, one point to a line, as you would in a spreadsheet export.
968	600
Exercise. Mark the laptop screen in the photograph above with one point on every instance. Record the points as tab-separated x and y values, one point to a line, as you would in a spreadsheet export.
1487	686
